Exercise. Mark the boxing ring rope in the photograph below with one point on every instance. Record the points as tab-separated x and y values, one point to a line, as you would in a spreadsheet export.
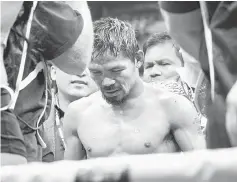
204	165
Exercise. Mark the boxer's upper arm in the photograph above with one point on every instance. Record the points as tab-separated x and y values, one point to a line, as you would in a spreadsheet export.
184	124
74	149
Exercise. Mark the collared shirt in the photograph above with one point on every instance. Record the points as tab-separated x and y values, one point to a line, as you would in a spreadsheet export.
52	133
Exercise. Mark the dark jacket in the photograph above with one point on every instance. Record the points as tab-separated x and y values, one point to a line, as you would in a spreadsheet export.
186	26
55	28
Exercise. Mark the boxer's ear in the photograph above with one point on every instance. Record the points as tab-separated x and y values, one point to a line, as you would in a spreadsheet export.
53	72
139	59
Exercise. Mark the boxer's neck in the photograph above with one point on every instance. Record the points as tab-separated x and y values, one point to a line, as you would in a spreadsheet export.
136	90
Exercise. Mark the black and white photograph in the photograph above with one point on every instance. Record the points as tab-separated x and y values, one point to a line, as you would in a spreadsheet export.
118	91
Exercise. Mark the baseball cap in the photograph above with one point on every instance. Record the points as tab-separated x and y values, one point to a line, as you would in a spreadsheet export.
55	28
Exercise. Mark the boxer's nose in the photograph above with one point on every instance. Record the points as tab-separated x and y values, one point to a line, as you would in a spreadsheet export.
107	82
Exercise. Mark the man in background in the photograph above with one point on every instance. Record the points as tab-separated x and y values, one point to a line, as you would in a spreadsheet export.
163	62
162	58
66	88
207	31
66	39
169	67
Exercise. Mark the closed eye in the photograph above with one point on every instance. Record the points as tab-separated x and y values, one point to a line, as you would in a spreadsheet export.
117	70
149	66
164	64
96	72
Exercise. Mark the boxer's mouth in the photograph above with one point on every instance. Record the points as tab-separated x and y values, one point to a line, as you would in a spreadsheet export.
111	91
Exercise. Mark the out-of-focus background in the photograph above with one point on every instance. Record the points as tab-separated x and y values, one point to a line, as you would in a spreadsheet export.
144	16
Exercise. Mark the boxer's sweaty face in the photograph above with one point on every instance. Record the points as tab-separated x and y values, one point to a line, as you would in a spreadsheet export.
114	76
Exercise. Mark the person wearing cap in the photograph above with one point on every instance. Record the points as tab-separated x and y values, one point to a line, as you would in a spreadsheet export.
57	31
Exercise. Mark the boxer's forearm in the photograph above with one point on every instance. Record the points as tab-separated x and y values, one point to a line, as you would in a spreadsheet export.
208	166
74	149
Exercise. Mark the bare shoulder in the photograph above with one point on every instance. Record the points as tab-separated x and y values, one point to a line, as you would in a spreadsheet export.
84	103
180	110
76	109
163	96
172	100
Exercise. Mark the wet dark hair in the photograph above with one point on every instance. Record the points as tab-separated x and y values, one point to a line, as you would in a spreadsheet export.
114	36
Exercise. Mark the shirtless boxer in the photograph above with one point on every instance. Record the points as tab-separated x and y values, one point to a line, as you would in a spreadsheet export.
128	116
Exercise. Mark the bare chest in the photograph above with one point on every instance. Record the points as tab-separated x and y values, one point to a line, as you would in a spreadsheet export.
104	133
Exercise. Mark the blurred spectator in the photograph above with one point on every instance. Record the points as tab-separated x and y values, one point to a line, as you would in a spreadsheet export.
161	65
66	88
